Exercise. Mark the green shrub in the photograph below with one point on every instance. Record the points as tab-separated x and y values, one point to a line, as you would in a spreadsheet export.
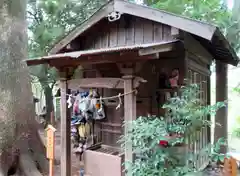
160	142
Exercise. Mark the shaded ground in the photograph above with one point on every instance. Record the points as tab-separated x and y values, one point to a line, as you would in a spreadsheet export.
212	172
76	164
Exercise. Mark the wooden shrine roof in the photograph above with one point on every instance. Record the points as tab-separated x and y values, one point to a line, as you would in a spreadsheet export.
207	34
106	55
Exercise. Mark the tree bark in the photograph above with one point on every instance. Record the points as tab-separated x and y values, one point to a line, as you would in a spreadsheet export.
48	101
16	99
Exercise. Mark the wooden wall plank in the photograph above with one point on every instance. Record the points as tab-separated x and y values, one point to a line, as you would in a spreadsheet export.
121	33
158	32
167	32
98	41
138	31
105	38
113	35
87	42
130	32
195	48
147	31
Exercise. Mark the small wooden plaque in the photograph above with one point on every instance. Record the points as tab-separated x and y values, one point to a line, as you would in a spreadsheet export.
50	141
230	167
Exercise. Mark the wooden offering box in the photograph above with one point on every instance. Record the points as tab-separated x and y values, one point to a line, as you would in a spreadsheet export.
103	160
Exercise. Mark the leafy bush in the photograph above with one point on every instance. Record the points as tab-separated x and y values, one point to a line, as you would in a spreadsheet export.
236	128
160	143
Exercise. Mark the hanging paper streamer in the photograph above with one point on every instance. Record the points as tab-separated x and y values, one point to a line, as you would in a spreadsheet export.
86	108
120	101
69	101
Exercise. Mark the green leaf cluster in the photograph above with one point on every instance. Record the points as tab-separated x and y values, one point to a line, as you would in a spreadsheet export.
186	115
48	22
211	11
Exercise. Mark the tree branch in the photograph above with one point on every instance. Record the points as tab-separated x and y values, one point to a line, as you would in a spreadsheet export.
53	84
34	16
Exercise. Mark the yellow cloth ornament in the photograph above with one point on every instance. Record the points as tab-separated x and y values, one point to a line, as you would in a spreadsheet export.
84	130
81	130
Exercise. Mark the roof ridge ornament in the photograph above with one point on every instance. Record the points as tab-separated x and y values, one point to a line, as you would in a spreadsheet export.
114	16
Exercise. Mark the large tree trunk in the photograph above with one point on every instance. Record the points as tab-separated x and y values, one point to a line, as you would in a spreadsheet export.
49	101
18	134
47	89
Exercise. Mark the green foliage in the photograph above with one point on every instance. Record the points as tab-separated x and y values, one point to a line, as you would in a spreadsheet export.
48	22
211	11
236	128
188	112
236	89
186	115
51	20
216	156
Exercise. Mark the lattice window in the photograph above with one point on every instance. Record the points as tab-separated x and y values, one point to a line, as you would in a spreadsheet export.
201	138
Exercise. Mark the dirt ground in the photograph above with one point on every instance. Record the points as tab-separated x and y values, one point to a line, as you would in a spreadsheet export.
76	164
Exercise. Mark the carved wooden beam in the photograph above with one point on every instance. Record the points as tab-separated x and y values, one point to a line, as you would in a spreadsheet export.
129	68
109	83
156	49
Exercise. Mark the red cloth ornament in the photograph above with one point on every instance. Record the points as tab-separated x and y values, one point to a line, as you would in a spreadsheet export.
174	78
163	143
75	106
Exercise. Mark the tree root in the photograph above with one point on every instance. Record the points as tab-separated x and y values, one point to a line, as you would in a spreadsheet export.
38	151
28	166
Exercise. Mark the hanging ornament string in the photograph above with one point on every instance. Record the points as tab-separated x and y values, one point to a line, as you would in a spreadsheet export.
112	97
120	101
106	98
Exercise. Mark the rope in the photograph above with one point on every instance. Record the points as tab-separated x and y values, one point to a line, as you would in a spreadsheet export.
104	98
112	97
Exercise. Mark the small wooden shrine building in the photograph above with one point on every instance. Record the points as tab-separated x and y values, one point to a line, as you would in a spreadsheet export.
125	46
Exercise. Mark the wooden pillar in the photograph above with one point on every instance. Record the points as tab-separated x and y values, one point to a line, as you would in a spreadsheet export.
221	95
65	131
129	113
128	70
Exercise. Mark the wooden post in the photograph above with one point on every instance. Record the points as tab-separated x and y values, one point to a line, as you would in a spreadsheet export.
129	112
221	95
50	148
65	132
51	165
52	118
